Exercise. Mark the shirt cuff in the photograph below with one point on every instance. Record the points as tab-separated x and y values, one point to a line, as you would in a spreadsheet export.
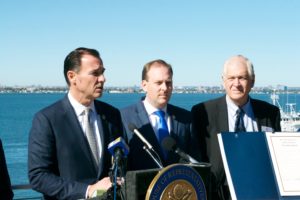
87	192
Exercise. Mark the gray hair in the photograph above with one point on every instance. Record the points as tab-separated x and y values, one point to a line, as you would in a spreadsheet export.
249	65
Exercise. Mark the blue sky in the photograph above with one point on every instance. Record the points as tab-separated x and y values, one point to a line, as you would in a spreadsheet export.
195	37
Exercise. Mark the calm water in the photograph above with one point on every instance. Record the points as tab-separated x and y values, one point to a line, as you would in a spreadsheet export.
17	111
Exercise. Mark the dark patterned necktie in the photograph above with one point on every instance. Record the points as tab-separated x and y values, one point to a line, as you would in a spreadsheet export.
90	135
239	122
162	129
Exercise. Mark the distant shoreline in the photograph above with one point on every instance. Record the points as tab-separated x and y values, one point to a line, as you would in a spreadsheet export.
136	89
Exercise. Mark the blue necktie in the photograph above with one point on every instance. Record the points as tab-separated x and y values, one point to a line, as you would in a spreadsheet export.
162	129
239	122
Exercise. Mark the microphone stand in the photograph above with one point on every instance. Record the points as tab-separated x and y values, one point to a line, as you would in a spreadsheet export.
113	193
115	181
157	162
147	146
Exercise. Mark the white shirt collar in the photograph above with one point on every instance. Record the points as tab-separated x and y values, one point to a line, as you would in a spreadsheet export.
232	107
78	107
151	109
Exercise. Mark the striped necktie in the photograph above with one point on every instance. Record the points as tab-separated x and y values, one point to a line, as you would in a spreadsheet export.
90	135
239	121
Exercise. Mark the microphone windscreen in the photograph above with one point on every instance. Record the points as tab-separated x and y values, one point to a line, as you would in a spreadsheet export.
131	127
118	143
168	143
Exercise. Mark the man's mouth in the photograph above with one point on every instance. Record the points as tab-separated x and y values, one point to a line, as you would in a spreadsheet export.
99	87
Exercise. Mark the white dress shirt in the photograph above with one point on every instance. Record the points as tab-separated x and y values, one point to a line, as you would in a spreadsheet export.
95	120
154	119
249	119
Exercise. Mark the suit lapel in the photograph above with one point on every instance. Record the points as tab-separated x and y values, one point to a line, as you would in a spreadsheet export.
102	127
104	137
256	113
75	129
148	133
222	114
142	115
173	122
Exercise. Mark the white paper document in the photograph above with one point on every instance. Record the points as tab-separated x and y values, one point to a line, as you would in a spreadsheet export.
284	148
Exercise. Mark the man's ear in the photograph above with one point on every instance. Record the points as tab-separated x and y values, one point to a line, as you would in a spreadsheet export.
71	76
253	81
144	85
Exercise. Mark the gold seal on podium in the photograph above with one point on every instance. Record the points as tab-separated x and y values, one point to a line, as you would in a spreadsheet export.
177	182
179	190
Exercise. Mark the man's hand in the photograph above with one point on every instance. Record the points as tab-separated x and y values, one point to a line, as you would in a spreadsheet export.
103	184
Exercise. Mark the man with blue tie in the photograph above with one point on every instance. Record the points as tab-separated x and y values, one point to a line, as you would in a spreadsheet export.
234	112
67	150
156	119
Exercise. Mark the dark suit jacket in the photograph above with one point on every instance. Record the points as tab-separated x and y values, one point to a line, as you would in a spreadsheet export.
59	158
5	186
211	118
180	130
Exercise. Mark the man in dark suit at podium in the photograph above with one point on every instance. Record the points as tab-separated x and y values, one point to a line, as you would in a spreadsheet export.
157	82
67	151
234	112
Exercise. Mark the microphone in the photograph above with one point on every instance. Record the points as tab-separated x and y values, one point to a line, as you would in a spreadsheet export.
169	144
134	129
118	148
147	145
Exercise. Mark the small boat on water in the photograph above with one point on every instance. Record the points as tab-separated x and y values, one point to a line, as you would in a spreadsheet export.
290	118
